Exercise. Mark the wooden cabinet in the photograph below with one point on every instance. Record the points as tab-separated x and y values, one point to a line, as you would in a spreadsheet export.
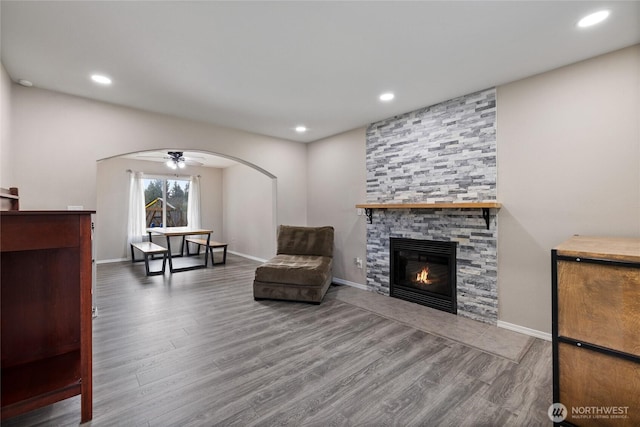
45	280
596	330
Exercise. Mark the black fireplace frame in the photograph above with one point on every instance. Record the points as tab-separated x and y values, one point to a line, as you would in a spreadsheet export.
424	297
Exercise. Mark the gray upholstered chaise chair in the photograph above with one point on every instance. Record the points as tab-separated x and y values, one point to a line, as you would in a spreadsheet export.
302	269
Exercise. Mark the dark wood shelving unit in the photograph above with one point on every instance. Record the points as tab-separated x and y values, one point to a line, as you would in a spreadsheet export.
46	274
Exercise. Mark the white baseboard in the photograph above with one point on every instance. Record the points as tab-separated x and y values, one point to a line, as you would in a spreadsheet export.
348	283
248	256
108	261
512	327
524	330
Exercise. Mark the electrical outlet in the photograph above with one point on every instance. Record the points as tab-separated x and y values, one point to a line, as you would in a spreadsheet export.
358	262
359	211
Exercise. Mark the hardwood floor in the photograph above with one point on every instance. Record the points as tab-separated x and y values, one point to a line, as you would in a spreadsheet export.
195	349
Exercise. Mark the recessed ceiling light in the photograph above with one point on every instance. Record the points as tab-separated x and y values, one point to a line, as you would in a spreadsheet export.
593	19
387	96
99	78
301	129
25	83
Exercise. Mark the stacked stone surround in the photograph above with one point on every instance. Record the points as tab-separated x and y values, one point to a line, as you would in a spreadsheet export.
442	153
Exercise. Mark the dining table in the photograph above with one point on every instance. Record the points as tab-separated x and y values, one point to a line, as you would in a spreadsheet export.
169	232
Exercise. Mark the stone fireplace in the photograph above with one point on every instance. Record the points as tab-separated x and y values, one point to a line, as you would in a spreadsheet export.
438	154
424	272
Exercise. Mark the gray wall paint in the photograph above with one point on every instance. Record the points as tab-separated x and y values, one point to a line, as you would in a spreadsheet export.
337	174
569	163
57	140
249	225
6	155
49	127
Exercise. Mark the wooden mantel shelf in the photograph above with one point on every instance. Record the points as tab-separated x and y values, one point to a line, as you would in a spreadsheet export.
485	206
463	205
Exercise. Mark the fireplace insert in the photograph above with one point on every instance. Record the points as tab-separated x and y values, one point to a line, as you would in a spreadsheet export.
424	272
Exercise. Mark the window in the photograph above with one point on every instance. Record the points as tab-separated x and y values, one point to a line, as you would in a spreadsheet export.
166	201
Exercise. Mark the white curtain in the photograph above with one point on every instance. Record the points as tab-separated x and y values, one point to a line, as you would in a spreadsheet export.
137	221
193	204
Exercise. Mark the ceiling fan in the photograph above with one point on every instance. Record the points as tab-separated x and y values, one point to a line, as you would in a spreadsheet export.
176	160
173	159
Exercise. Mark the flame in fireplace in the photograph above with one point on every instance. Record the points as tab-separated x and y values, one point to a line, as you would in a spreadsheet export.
423	277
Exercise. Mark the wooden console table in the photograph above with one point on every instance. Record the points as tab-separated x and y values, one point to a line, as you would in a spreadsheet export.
595	318
45	282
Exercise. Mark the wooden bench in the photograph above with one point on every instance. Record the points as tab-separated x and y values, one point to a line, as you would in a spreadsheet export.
148	248
212	245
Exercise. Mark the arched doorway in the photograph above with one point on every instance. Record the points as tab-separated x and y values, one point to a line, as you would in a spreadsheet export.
238	199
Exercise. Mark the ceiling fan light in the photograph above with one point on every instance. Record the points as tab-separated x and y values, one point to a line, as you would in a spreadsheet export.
169	163
181	164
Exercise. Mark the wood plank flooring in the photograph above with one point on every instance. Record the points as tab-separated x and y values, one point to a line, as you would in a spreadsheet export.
195	349
482	336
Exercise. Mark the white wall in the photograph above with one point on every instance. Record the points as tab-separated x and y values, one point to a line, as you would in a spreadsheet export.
112	203
6	164
57	140
568	163
337	182
249	223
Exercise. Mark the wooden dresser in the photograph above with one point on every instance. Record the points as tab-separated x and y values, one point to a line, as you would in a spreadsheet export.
596	330
45	280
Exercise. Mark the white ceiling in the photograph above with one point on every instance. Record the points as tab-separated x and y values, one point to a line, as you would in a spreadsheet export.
266	67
